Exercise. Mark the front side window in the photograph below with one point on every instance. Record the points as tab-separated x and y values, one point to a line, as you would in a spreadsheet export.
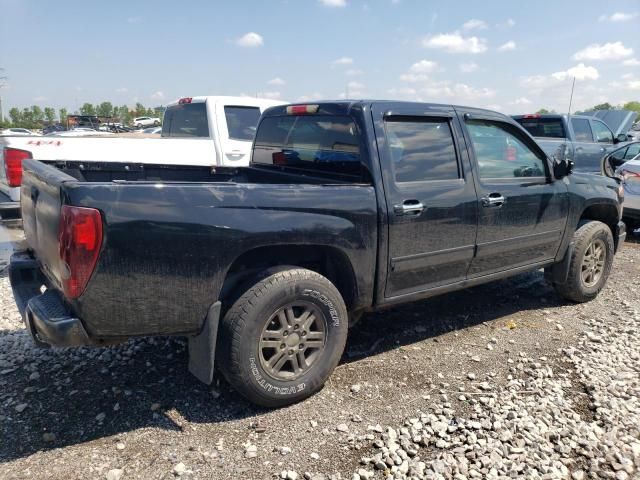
421	149
186	121
602	132
241	122
324	144
582	130
501	154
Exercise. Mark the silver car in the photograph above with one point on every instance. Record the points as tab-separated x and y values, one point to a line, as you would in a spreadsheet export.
624	163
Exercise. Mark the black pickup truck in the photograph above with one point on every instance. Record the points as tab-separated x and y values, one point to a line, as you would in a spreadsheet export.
346	207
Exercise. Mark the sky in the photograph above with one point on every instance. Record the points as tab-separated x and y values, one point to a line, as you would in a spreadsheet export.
511	56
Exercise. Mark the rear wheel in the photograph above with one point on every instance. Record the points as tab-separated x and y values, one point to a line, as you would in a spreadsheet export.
283	337
590	262
156	123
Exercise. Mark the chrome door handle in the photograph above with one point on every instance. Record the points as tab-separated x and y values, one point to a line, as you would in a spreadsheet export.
493	200
409	207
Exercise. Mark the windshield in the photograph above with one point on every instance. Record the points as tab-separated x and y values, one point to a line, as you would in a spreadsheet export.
543	127
318	144
186	120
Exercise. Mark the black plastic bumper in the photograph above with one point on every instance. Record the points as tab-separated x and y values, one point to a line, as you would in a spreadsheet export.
48	319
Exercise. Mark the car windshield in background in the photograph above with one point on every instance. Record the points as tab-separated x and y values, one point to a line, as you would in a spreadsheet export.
543	127
242	122
313	143
187	120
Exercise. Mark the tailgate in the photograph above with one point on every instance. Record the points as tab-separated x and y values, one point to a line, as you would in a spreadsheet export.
40	202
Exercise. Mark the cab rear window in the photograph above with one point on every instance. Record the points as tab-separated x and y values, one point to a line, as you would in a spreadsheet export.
186	121
318	144
543	127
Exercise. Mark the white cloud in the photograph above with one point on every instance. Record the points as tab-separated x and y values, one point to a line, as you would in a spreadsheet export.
402	92
618	17
271	95
334	3
474	24
353	85
343	61
468	67
510	22
276	81
607	51
352	72
134	20
39	98
455	43
580	72
633	85
423	66
414	77
122	90
521	101
493	106
157	95
507	47
631	62
459	91
251	39
310	97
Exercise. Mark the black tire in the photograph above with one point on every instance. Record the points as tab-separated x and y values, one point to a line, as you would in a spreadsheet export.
247	331
156	123
577	288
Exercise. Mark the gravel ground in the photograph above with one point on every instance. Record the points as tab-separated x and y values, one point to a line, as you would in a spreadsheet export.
499	381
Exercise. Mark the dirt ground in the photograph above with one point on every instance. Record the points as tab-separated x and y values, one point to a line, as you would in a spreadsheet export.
81	413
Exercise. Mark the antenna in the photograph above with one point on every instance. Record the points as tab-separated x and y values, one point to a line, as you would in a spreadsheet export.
347	91
571	97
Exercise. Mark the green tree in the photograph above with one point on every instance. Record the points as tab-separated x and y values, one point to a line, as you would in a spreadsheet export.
139	111
544	111
634	106
62	114
105	109
87	109
16	117
27	118
49	115
603	106
37	115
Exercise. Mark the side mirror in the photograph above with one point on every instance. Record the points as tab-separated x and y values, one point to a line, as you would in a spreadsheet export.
562	168
622	137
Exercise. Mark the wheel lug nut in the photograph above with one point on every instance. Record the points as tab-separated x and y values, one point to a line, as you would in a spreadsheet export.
290	352
301	346
282	346
285	333
295	327
303	333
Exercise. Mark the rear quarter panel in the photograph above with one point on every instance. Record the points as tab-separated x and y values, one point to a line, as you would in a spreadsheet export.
168	247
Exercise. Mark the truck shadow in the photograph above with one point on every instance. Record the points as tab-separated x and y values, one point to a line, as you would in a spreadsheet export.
81	395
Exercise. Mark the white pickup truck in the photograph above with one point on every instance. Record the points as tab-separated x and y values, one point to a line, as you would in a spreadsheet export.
211	130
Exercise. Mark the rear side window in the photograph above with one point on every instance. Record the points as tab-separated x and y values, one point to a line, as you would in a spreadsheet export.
543	127
310	143
501	154
242	122
421	149
186	121
582	129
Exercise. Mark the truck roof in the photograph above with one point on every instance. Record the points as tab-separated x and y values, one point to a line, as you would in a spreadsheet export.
548	115
344	106
231	100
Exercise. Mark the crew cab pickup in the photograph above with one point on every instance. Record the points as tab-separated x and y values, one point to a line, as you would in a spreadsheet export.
580	139
345	208
209	131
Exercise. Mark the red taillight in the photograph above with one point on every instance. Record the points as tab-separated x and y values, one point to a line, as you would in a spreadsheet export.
532	115
80	239
302	109
13	165
184	100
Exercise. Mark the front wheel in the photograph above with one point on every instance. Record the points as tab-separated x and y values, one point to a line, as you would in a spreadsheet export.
156	124
283	337
590	262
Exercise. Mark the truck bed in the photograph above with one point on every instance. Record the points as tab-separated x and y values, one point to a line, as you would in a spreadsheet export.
158	270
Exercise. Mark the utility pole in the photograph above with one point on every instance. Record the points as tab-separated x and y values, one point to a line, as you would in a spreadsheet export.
2	79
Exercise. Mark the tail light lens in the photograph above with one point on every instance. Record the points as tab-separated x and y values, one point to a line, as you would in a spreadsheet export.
80	239
13	158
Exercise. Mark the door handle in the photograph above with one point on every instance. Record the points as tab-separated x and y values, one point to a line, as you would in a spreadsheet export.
493	200
409	207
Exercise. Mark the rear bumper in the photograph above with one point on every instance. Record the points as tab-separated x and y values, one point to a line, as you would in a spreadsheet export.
47	318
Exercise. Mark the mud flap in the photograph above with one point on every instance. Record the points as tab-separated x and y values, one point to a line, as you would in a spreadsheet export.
202	347
559	272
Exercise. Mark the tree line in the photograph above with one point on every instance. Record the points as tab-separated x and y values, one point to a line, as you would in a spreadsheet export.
36	117
633	106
